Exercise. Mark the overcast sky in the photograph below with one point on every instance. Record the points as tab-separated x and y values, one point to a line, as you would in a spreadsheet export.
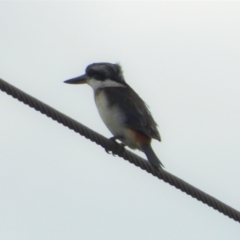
183	60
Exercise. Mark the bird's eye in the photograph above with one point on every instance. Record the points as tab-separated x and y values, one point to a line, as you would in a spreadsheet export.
99	76
96	74
90	72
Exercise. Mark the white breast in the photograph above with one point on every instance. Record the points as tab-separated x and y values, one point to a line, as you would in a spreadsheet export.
111	116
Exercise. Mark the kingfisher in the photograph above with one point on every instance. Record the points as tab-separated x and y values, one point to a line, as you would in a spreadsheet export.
122	110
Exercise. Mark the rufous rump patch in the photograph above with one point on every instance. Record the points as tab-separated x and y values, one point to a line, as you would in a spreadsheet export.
140	137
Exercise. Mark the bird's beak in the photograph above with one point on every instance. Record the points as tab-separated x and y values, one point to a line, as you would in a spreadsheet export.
78	80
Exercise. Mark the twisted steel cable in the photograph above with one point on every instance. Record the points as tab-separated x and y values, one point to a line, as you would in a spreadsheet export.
115	149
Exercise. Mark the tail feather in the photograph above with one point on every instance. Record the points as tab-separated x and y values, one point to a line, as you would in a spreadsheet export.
151	156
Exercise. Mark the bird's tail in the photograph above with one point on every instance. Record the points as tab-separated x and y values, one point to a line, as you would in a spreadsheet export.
151	156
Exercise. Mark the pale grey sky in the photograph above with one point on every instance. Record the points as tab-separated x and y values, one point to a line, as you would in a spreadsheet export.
181	57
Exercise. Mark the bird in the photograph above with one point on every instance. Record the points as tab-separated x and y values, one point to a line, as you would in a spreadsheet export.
122	110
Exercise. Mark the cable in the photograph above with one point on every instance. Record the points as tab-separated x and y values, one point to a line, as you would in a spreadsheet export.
115	149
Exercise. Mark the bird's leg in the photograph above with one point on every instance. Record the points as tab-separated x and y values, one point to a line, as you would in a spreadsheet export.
114	138
121	146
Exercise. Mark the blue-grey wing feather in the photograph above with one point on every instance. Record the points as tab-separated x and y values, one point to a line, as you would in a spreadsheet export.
137	114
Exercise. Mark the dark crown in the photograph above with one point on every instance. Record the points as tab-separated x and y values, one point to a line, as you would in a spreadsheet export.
103	71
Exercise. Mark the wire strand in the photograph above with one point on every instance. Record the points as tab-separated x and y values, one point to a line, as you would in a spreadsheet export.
115	149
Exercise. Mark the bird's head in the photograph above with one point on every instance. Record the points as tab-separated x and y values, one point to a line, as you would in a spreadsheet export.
100	75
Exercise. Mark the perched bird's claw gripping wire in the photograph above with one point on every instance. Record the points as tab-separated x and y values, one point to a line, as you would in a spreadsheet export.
120	147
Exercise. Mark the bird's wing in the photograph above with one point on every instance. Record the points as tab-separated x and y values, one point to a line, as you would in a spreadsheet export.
137	114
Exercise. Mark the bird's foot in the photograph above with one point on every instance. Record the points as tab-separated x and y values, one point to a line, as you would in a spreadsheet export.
120	147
